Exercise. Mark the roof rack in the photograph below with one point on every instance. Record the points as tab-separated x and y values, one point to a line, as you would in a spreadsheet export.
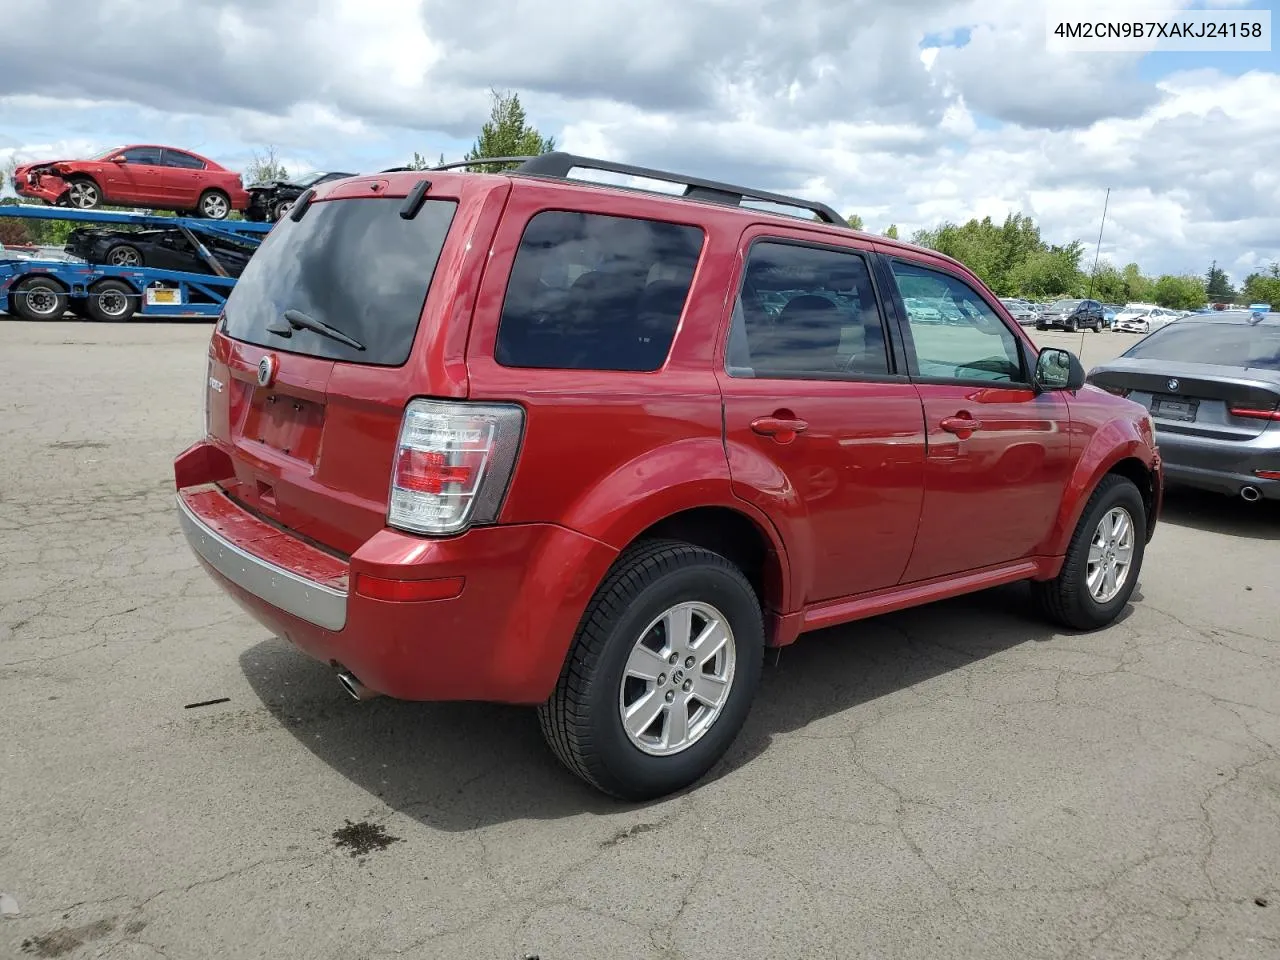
558	165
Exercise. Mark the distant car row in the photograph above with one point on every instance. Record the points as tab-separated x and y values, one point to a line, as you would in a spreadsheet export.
160	178
1087	314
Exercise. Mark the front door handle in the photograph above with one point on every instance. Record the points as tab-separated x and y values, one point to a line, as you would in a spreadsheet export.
962	426
782	429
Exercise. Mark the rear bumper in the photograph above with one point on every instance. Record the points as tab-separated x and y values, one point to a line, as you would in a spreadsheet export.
1220	465
502	638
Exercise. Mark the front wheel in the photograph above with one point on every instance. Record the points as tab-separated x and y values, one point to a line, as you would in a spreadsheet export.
1103	560
661	673
39	298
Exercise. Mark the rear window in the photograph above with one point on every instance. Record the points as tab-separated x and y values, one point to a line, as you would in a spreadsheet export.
595	292
1228	344
355	265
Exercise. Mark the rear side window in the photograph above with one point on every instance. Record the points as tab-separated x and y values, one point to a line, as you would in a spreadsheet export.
595	292
1229	344
354	265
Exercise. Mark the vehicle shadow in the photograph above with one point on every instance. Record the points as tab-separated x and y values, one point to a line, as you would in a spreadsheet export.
460	766
1215	513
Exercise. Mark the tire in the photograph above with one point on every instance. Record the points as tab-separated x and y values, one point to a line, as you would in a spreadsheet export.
280	209
1071	326
83	194
582	720
214	205
124	255
39	298
1067	599
111	301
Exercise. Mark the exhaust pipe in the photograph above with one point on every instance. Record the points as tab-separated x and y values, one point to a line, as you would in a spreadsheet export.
1251	494
353	686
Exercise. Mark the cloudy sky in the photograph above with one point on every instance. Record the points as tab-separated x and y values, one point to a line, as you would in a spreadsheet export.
905	111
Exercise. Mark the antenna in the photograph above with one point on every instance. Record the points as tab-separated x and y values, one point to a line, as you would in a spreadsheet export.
1098	251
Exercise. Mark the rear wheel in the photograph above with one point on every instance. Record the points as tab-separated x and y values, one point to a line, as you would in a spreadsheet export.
214	205
661	673
111	301
1103	560
39	298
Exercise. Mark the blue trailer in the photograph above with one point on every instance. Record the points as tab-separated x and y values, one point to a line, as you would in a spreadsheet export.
35	288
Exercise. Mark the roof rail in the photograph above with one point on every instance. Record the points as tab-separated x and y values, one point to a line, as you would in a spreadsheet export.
558	165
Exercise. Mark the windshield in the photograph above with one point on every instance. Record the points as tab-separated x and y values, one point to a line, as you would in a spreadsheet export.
309	179
1065	305
107	153
356	265
1229	344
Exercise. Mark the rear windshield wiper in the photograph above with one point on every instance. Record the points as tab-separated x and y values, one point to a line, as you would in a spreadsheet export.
297	320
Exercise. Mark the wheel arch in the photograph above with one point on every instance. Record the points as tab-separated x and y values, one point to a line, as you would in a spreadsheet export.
1116	448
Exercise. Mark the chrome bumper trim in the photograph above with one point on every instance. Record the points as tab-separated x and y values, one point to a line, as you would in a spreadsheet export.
314	602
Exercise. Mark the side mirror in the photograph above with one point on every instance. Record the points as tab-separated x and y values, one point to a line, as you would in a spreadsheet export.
118	158
1058	370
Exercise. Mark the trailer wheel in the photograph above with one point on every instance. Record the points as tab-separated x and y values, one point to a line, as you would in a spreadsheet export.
83	194
215	205
111	301
39	298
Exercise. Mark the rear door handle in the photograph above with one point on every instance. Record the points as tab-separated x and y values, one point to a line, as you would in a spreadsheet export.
782	429
962	426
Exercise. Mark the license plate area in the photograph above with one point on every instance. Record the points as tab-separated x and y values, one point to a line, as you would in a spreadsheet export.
1181	409
287	424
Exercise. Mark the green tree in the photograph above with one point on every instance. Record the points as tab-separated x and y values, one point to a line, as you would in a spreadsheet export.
264	167
507	134
1137	288
1180	293
892	231
1108	284
1218	286
1264	287
855	221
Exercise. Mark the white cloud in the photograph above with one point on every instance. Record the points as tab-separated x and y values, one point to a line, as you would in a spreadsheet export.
839	99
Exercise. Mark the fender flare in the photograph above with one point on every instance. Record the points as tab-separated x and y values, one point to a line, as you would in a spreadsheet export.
1112	443
638	495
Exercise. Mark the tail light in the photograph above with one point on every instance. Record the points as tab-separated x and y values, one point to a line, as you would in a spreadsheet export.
1255	413
453	464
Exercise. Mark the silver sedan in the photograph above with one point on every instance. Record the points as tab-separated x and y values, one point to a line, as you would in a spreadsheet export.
1212	384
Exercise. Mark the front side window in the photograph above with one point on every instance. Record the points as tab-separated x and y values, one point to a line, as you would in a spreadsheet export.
807	313
147	156
594	292
957	335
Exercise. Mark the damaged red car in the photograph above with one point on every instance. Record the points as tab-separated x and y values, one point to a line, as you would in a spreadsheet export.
142	175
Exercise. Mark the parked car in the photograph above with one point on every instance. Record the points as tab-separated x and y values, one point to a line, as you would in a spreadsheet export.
1143	318
495	437
272	199
161	249
155	177
1071	315
1212	384
1022	311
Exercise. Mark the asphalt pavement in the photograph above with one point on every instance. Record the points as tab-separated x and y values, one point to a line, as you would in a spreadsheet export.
959	780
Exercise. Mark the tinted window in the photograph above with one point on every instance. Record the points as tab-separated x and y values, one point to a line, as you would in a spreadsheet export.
356	265
145	155
1229	344
593	292
806	313
957	336
176	158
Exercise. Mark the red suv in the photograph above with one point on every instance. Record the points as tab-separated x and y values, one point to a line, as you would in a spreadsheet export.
159	178
528	439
